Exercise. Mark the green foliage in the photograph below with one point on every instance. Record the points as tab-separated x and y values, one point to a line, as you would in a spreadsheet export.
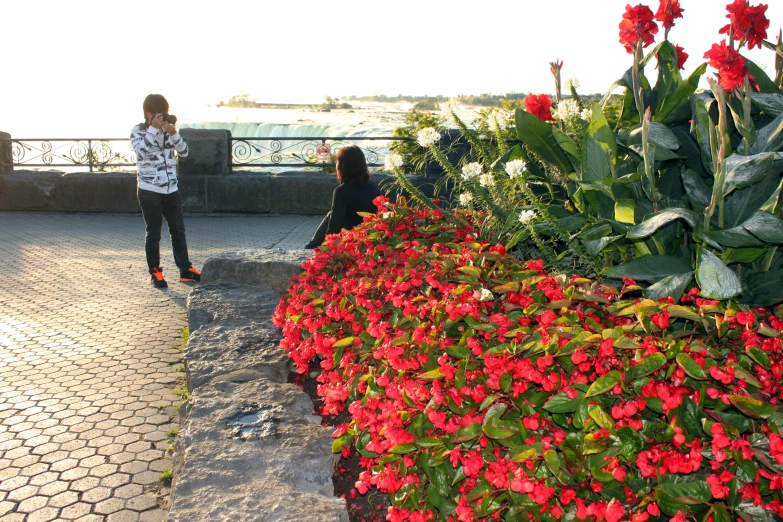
166	476
414	155
688	195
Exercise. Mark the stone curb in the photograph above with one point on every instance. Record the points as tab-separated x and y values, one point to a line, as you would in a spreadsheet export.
250	447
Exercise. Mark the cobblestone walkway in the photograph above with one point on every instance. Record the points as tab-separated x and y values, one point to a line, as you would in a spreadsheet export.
89	359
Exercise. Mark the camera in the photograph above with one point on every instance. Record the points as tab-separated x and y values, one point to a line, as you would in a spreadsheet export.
170	118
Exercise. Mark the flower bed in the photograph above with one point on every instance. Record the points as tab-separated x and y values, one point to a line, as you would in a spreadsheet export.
479	386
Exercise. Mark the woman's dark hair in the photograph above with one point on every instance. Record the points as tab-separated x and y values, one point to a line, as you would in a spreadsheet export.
155	103
352	166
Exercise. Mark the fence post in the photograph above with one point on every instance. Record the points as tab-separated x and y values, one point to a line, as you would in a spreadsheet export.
6	153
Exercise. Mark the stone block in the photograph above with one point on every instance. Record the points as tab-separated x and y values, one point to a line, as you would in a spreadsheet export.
97	192
266	269
238	192
6	155
209	153
275	459
29	190
229	304
301	192
193	191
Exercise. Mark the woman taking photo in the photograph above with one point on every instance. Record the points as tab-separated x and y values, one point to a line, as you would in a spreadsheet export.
354	194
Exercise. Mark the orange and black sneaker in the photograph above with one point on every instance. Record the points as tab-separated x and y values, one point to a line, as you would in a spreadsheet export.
157	279
189	275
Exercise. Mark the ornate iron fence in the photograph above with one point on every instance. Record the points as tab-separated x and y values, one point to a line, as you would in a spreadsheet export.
105	153
305	152
94	153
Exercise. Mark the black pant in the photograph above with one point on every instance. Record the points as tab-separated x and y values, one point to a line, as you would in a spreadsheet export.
155	207
320	233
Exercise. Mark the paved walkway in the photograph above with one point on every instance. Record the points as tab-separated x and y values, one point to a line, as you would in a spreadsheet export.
89	358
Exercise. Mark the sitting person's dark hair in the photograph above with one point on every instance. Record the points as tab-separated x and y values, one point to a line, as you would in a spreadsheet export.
352	166
355	194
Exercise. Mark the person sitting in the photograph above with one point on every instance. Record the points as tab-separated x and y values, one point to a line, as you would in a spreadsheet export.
355	193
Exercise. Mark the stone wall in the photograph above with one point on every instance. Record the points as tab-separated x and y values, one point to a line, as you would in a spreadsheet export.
253	192
250	447
207	182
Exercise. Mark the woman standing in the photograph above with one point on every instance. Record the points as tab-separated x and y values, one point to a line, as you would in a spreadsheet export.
355	194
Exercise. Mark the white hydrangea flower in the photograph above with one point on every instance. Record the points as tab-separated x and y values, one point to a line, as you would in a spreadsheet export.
447	109
465	198
515	168
486	180
566	110
525	216
471	170
586	114
393	161
572	82
497	120
428	136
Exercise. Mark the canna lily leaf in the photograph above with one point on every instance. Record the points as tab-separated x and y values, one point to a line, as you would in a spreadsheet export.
771	104
671	286
659	219
649	268
716	280
743	171
765	288
538	135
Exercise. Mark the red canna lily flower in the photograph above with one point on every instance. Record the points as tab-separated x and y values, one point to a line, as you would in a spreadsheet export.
539	105
636	26
732	67
681	56
668	11
748	23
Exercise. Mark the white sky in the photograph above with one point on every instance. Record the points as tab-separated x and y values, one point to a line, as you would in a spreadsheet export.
74	58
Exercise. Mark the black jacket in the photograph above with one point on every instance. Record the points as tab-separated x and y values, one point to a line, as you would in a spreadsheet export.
347	200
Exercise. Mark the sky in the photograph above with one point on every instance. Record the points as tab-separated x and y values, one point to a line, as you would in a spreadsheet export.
79	59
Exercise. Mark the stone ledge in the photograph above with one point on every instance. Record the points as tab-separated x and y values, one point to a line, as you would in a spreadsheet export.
250	447
266	269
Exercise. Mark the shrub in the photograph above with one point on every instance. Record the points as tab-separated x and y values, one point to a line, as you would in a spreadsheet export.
480	386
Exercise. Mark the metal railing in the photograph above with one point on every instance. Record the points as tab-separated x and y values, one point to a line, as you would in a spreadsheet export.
94	153
99	154
306	152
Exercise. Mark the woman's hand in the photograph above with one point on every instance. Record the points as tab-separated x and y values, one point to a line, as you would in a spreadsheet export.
168	127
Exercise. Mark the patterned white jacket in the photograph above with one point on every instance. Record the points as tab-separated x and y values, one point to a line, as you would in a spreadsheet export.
155	158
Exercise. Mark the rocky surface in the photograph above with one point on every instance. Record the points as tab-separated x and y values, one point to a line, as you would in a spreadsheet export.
251	448
267	269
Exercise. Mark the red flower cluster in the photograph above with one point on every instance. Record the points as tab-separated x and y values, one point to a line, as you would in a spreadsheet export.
681	56
480	387
668	11
748	24
637	26
540	105
732	67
